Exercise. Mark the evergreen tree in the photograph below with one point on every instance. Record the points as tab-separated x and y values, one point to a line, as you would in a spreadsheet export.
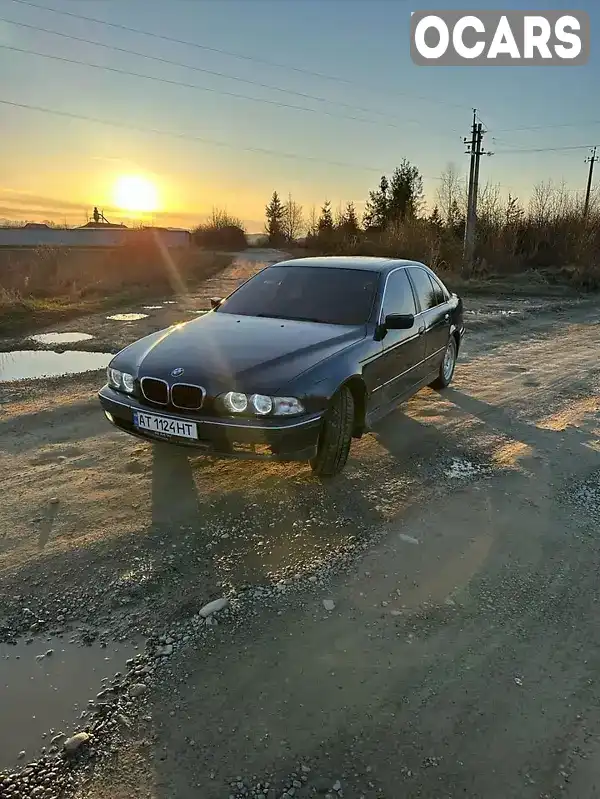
436	219
325	223
275	213
349	221
406	193
376	209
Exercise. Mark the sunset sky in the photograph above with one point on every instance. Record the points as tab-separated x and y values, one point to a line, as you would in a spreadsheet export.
59	167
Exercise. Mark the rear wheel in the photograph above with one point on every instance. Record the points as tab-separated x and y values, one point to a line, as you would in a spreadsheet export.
447	366
336	436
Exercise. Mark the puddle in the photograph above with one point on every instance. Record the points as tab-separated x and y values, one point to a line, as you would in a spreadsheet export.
490	312
151	308
52	692
127	317
199	313
60	338
29	364
170	302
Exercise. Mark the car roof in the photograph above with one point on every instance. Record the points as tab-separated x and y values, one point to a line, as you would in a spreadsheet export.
350	262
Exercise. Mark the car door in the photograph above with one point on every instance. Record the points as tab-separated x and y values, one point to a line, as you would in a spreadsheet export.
435	314
401	361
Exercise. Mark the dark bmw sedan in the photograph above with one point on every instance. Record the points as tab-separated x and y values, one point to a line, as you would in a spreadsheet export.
297	361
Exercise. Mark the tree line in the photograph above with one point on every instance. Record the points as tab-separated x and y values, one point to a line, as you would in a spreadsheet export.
548	233
393	201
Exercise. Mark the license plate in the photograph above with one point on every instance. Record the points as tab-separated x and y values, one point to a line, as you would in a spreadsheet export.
164	425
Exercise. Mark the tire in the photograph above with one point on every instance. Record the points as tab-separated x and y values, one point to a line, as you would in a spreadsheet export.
336	436
446	372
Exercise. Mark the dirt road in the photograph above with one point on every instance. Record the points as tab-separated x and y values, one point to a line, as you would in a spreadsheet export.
425	625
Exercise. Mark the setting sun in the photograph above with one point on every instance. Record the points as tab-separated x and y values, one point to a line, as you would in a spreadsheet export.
135	193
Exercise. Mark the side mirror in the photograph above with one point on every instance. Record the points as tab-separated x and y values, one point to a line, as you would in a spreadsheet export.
399	321
215	302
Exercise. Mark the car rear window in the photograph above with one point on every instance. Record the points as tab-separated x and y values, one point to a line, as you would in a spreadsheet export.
313	294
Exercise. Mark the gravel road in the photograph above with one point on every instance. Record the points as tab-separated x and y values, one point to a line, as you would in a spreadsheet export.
424	625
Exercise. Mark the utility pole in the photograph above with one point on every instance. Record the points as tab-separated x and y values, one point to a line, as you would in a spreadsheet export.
591	160
476	151
469	226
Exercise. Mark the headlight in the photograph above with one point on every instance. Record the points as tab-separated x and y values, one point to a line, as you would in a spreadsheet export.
261	404
114	377
235	402
286	406
128	382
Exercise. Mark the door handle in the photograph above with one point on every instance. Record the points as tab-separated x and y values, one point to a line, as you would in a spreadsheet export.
447	317
421	330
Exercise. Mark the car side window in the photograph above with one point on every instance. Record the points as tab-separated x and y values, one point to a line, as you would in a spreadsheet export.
440	295
398	296
424	288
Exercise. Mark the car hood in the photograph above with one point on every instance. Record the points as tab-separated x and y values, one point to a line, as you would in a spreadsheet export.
223	352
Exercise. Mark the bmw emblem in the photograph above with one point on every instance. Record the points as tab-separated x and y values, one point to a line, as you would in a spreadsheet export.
177	372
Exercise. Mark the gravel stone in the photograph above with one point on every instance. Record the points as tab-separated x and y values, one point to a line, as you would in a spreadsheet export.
73	744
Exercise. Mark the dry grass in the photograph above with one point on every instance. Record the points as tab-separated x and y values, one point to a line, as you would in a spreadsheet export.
533	257
547	244
39	285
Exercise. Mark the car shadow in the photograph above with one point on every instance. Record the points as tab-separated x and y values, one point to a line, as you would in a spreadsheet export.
542	440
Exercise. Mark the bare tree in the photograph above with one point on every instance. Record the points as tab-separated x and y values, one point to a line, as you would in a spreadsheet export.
338	217
451	194
541	203
489	204
220	218
312	224
293	219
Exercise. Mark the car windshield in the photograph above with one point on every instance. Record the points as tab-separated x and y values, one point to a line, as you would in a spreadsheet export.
309	294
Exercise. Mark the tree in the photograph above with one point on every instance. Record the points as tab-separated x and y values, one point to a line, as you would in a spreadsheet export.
406	193
221	232
376	209
338	217
292	222
325	223
451	194
513	213
313	222
349	220
275	213
435	219
456	219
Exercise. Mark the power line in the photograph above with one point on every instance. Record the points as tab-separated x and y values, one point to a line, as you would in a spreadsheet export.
549	127
546	149
268	86
195	86
229	53
192	137
187	43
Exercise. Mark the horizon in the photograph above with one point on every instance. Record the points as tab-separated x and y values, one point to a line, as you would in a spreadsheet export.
220	116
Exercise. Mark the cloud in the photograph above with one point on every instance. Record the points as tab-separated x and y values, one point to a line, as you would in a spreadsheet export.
25	199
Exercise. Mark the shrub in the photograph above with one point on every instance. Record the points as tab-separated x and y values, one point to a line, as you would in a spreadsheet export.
221	232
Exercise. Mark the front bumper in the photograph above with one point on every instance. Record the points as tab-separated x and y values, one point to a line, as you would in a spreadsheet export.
273	439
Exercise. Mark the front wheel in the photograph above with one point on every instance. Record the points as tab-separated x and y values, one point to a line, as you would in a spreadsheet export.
336	436
447	366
